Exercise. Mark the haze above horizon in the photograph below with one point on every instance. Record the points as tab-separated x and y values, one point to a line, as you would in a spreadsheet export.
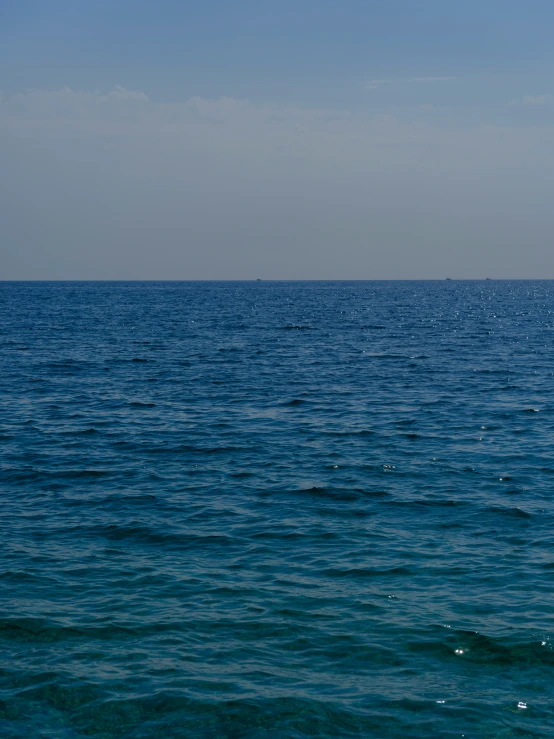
276	140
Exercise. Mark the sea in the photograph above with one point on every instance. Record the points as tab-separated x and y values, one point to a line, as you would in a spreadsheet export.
269	510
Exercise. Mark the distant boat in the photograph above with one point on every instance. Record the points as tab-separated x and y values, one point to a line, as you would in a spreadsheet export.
258	279
488	278
449	278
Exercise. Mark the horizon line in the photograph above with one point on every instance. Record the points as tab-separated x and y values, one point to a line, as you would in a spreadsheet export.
281	279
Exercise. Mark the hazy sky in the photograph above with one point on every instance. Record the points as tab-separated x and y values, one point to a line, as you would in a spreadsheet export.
301	139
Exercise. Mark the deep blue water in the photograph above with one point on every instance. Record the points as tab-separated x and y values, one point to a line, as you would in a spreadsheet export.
277	510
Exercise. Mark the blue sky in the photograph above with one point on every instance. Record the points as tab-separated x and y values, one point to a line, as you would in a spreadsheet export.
350	96
269	49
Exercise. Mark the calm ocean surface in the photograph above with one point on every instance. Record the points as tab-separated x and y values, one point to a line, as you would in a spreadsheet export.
277	509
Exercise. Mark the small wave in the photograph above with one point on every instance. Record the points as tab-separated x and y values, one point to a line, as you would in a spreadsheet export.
479	648
211	707
368	572
27	475
60	365
496	371
45	630
360	433
331	494
147	535
513	512
191	449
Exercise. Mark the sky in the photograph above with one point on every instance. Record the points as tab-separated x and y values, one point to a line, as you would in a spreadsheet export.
276	139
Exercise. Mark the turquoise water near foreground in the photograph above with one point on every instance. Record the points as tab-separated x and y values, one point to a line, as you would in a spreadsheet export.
277	509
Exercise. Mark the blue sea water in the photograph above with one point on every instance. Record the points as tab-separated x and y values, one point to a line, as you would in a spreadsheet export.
271	509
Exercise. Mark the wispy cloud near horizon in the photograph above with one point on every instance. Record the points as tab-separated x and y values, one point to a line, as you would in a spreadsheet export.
376	84
544	99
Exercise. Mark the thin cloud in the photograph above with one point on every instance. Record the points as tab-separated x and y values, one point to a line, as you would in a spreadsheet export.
430	79
376	84
545	99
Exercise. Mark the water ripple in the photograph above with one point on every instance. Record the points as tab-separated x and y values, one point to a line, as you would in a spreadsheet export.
276	510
